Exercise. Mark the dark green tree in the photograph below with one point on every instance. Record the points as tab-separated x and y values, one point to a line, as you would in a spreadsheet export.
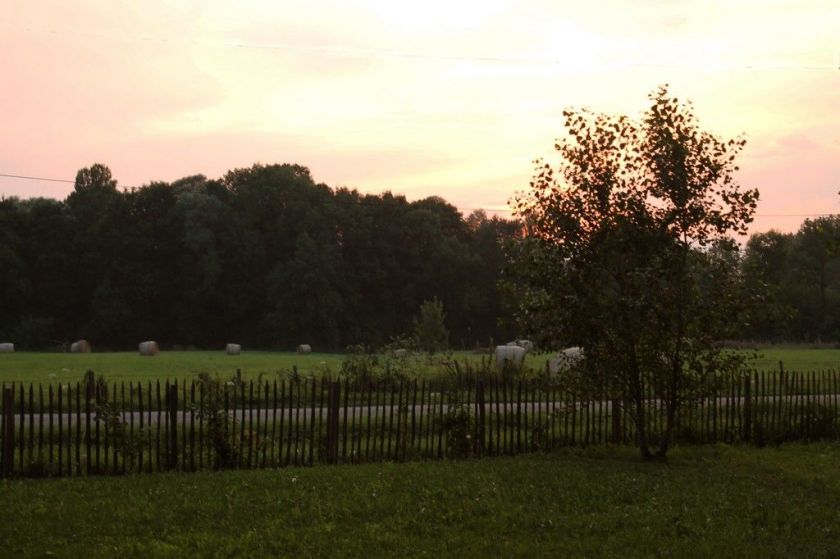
815	262
264	256
430	333
767	287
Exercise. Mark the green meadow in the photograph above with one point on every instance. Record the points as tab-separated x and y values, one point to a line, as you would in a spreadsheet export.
130	366
704	502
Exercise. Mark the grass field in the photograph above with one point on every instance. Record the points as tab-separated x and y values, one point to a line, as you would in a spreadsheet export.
705	502
67	367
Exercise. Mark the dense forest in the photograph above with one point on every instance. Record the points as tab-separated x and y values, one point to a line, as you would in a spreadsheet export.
264	256
267	257
793	280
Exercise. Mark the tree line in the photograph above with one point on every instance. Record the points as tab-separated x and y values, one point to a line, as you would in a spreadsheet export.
264	256
793	281
267	257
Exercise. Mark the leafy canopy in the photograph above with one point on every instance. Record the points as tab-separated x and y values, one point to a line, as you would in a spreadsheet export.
629	251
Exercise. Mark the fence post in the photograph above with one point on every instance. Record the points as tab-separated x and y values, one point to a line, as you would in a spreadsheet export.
172	410
616	422
8	432
332	422
479	402
747	408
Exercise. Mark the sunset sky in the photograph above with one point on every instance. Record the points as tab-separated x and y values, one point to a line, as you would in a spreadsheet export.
434	97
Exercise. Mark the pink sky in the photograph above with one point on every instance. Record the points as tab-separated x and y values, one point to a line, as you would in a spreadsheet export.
435	97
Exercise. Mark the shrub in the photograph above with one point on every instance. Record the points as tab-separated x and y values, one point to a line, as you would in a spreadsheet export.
430	333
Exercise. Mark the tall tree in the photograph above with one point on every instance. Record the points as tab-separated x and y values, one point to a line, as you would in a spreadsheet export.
767	285
815	261
619	252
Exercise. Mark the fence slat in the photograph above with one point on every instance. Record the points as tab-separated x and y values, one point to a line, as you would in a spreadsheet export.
440	424
41	460
8	449
369	430
172	409
283	420
78	429
400	440
833	398
50	434
60	431
332	422
299	444
479	400
413	416
192	425
250	421
355	420
312	424
390	430
21	432
240	462
273	420
149	426
142	435
69	429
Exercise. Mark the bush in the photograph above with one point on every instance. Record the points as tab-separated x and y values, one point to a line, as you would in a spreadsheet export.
458	426
430	333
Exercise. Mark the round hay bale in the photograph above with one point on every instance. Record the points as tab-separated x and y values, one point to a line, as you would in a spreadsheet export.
149	349
233	349
80	346
7	347
527	345
565	359
509	356
304	348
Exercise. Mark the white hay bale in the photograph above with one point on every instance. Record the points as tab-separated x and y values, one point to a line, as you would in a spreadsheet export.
565	359
304	348
527	345
400	353
149	349
509	356
80	346
7	347
233	349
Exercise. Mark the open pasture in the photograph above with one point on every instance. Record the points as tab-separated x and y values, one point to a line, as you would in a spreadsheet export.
130	366
714	501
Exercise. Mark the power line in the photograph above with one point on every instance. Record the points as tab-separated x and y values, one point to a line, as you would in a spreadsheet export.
361	203
34	178
496	210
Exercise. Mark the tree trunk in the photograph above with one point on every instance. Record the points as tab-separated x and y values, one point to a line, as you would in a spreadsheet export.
640	415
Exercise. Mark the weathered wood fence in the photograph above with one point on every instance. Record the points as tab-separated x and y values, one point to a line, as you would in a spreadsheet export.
94	428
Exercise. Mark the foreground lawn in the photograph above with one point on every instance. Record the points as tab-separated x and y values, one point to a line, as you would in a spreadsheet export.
705	502
129	366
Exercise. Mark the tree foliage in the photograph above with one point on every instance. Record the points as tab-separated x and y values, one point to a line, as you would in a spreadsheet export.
265	256
628	253
430	333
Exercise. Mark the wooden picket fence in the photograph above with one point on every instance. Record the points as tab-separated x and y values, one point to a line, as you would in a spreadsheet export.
92	428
